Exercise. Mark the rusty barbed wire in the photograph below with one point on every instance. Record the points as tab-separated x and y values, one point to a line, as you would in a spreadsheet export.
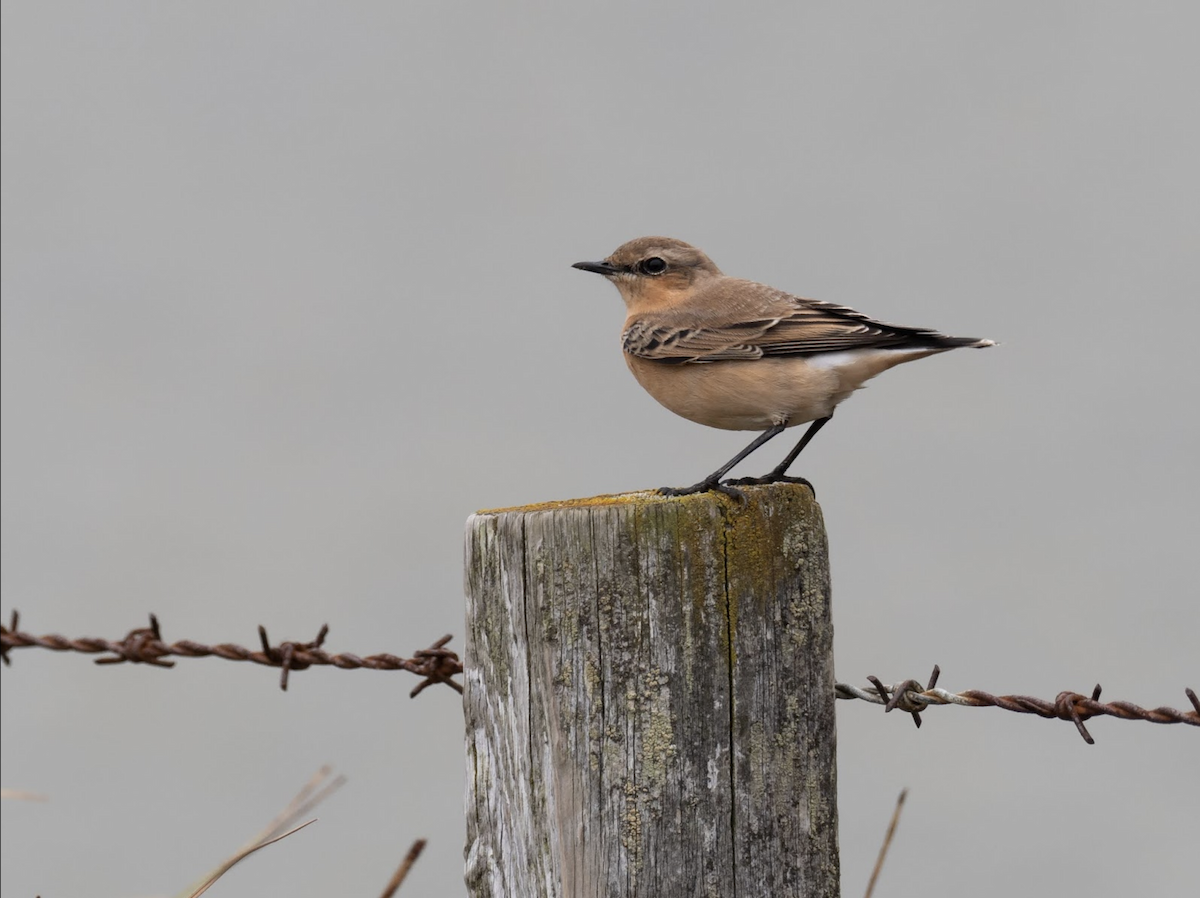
438	664
910	696
145	645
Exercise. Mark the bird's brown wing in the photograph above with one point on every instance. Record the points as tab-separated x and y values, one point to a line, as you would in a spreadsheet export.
745	320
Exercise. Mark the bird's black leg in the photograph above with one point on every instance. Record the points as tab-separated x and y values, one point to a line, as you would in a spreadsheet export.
713	480
779	474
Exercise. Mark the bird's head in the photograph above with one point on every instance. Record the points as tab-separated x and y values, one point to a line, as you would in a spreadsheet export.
654	271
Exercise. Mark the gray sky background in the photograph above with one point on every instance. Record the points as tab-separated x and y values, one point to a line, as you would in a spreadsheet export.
287	296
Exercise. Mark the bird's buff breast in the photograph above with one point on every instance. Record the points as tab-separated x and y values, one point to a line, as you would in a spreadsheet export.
742	395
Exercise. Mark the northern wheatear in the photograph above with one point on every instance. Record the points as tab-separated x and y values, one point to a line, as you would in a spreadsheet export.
738	355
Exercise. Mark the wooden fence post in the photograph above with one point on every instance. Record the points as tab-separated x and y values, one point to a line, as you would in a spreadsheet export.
649	698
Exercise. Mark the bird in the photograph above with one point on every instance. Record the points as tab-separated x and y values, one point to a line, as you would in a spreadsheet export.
739	355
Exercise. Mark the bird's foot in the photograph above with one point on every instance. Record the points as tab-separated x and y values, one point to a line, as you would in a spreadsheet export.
704	486
773	477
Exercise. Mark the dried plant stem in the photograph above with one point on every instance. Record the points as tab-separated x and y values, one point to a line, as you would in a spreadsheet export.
402	871
887	841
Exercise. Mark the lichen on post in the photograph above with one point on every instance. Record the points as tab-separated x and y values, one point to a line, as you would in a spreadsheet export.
649	698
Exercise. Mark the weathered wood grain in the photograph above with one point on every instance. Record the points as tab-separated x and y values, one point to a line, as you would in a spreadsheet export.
649	698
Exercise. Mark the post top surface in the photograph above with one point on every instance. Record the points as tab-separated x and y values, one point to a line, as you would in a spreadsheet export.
652	497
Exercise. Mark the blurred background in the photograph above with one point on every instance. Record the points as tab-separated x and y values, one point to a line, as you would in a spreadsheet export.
287	296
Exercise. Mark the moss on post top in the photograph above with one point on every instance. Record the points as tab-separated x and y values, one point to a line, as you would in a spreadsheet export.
755	496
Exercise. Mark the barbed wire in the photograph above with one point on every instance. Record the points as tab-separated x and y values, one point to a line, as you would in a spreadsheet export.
438	664
145	645
910	696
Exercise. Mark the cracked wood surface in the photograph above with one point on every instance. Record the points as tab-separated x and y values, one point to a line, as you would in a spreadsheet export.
649	698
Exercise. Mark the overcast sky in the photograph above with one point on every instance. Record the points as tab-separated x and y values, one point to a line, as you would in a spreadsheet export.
287	296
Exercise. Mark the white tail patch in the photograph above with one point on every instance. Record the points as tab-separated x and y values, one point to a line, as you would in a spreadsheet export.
878	359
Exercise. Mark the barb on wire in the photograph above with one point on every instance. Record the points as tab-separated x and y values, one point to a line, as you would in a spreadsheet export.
911	697
145	645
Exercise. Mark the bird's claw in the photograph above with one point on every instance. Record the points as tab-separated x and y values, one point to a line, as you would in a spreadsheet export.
704	486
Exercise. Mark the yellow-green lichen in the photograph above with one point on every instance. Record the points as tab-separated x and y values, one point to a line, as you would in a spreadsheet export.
631	824
658	750
643	496
591	675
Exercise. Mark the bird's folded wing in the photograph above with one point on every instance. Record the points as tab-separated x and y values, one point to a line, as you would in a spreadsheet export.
753	321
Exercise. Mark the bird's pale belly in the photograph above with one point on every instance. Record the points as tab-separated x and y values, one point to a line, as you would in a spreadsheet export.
759	393
740	395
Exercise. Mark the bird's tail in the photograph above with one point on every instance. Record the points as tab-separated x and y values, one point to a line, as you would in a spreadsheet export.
945	342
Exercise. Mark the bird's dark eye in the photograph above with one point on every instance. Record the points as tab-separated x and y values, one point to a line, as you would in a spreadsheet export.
653	265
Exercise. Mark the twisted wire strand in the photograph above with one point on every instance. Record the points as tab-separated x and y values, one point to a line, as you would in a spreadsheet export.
911	697
438	664
145	645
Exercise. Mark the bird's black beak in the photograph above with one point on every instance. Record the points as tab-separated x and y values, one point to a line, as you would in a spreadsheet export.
598	267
